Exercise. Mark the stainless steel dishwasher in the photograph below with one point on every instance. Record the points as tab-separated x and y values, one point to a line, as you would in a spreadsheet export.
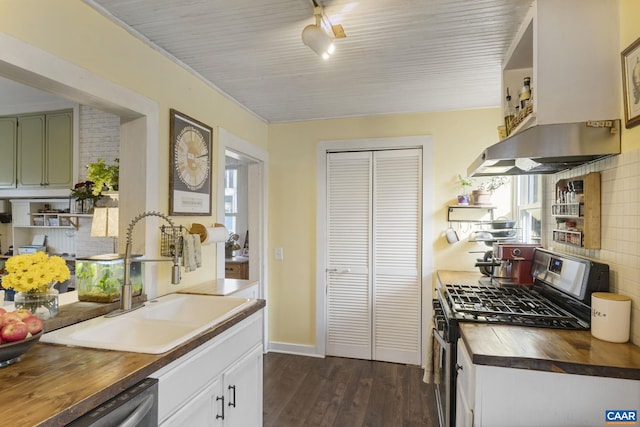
135	407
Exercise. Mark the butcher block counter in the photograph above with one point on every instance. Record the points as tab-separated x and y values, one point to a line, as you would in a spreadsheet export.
53	385
543	349
553	350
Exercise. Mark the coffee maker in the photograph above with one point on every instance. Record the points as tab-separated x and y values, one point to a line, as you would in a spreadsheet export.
515	260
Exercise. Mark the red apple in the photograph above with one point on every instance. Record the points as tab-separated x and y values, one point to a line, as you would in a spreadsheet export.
10	317
16	331
23	313
34	324
2	311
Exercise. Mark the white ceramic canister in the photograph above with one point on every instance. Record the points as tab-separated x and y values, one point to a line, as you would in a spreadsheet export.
610	316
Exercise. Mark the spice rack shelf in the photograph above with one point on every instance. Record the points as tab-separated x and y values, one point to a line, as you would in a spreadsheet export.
577	211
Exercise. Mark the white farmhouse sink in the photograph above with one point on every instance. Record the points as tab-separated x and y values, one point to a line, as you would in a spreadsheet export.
159	326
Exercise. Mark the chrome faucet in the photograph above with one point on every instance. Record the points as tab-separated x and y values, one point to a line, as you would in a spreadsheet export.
126	298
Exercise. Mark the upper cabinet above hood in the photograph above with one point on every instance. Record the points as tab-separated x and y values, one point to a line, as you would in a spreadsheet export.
570	50
549	149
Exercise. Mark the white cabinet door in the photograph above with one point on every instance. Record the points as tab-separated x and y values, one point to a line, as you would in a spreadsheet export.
207	408
243	391
464	414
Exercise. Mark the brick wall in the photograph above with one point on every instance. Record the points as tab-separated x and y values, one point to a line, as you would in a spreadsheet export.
99	137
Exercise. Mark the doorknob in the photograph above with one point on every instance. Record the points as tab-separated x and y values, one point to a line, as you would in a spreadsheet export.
336	270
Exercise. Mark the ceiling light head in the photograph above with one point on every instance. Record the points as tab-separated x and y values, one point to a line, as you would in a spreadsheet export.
318	40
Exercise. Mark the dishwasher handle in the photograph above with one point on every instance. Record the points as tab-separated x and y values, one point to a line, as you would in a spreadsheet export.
139	413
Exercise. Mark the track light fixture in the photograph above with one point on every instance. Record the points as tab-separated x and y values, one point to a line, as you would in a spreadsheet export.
318	39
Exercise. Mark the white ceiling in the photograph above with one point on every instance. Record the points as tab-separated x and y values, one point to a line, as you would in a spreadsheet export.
399	56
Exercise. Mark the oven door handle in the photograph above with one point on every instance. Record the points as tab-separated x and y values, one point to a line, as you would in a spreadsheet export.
440	339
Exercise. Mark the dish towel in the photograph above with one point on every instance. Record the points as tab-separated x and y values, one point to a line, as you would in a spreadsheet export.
191	252
431	359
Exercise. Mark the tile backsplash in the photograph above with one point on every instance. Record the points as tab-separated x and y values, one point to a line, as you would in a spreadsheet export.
620	225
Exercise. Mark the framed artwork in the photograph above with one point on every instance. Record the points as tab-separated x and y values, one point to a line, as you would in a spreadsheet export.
631	84
190	177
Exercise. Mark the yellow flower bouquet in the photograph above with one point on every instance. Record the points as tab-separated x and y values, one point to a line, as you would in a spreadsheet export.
34	273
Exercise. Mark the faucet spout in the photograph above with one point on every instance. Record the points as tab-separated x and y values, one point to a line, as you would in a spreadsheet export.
126	299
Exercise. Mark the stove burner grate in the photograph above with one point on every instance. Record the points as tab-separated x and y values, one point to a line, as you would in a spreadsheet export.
513	305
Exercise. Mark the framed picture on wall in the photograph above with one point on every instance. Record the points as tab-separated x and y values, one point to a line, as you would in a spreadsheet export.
190	177
631	84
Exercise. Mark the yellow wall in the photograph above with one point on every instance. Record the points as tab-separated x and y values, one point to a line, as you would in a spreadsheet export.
629	32
75	32
459	137
78	34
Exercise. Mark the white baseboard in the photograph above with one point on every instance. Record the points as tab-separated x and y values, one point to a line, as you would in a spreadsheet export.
297	349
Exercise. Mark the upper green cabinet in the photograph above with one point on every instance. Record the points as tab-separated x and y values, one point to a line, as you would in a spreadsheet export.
59	149
45	150
8	138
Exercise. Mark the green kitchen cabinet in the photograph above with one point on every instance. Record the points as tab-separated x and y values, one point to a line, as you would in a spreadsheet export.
8	139
45	150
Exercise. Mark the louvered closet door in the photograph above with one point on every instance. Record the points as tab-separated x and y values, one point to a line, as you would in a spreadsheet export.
349	178
373	272
397	217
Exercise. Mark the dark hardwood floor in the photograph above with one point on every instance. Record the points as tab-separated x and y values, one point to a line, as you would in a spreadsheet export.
335	391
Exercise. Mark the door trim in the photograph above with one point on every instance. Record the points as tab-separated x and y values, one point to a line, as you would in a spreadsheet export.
227	140
425	142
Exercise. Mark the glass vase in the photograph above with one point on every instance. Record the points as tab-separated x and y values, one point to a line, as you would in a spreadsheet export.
84	206
42	304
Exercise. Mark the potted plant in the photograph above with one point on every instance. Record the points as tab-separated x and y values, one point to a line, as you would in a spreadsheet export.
104	176
466	183
84	193
482	196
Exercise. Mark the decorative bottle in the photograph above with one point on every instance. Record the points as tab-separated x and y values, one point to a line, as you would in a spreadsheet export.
508	114
525	92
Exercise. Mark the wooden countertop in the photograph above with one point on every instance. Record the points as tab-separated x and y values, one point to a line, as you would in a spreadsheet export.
52	384
543	349
553	350
222	287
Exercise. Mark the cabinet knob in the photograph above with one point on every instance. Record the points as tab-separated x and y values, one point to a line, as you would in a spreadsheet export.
458	368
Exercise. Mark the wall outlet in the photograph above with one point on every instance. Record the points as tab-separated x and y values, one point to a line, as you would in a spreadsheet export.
279	254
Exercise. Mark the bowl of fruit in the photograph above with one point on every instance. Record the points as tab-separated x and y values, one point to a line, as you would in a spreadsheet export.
19	331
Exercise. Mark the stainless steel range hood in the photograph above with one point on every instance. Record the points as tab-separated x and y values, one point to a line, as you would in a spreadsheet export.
545	149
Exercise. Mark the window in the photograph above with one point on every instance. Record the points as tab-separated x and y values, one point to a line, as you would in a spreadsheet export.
528	208
231	199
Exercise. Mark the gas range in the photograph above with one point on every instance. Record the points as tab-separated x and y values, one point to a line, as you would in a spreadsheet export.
560	297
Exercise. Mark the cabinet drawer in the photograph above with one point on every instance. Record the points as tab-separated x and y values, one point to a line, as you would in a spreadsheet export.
236	270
